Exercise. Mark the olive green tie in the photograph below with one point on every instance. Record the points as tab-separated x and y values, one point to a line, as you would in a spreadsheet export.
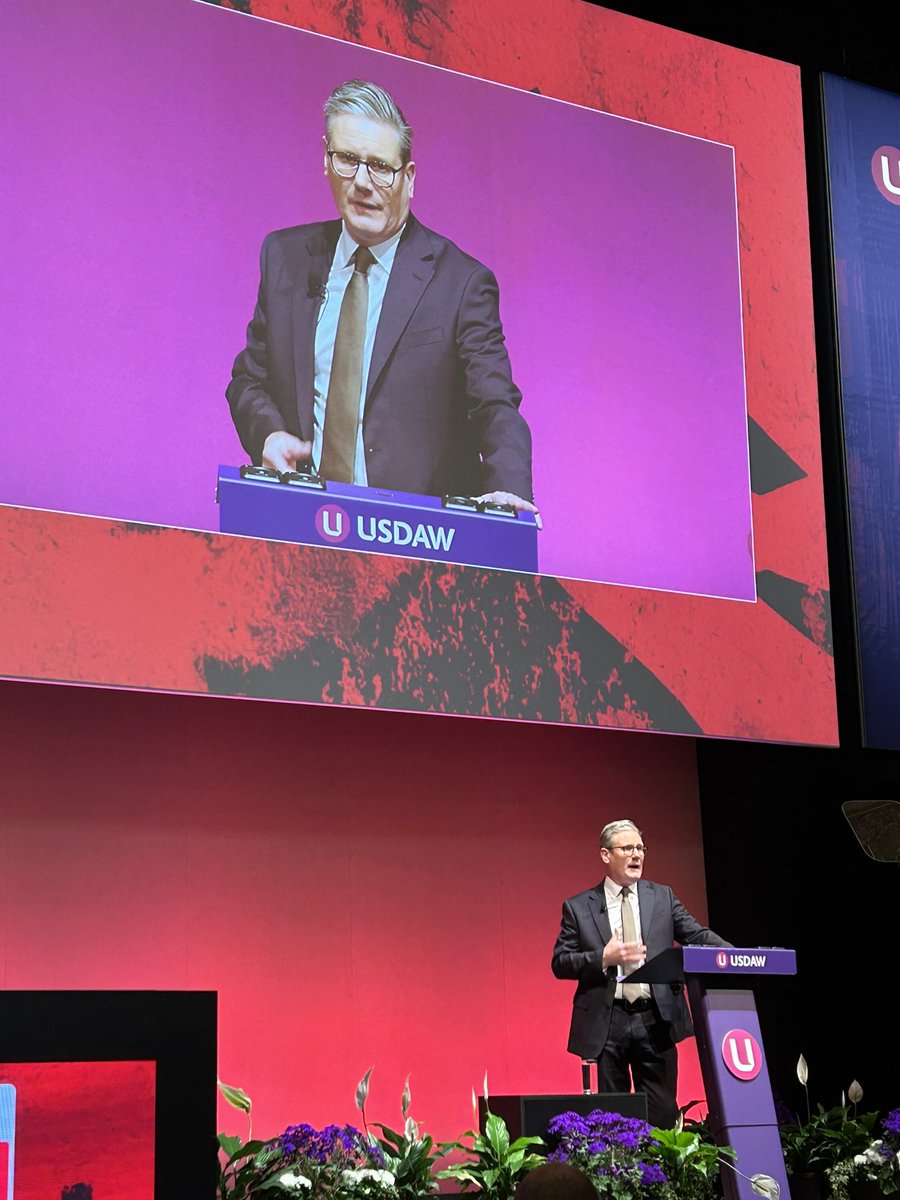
630	991
342	401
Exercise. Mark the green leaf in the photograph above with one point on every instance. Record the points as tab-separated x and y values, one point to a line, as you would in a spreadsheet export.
275	1182
522	1142
246	1150
390	1135
230	1144
497	1135
234	1096
460	1172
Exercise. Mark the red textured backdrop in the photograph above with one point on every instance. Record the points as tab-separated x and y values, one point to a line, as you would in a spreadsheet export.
361	888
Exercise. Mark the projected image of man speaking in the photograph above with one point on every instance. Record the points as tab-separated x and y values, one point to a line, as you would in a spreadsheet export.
376	351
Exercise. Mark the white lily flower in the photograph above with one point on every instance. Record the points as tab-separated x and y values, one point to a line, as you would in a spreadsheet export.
384	1179
295	1181
765	1186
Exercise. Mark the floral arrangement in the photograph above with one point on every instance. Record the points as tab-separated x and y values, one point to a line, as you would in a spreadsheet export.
628	1159
616	1152
337	1161
827	1137
494	1163
877	1165
409	1157
334	1163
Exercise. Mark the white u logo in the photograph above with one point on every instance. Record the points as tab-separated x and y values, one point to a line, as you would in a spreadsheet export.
893	188
749	1060
337	517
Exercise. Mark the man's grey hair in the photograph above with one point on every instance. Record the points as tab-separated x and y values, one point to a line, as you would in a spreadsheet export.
362	99
608	832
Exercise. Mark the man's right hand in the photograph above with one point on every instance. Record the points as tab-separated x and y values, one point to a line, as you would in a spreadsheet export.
617	953
282	451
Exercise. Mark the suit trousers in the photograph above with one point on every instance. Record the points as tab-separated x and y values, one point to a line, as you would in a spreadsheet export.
640	1049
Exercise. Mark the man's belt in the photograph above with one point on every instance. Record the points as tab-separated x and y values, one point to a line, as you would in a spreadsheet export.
634	1006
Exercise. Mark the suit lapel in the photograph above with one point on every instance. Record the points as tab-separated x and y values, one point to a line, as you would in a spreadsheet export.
411	273
646	902
597	904
305	301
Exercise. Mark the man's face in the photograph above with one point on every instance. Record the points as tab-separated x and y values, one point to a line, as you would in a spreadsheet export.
624	869
372	213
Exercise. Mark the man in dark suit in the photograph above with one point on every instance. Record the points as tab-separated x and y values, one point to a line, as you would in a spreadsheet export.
433	409
606	934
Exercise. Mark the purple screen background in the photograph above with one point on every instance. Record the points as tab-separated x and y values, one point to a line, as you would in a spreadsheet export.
151	148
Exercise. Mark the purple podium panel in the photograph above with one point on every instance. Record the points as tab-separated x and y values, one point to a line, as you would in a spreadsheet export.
376	521
757	960
738	1090
732	1059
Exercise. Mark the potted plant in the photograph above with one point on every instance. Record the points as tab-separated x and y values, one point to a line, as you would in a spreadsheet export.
410	1156
873	1173
691	1161
629	1159
334	1163
814	1146
494	1164
616	1152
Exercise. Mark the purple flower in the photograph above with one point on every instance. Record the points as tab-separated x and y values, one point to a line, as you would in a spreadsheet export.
376	1155
891	1124
299	1139
652	1173
567	1124
342	1143
609	1147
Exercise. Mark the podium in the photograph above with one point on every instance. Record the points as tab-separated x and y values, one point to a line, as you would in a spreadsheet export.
300	507
730	1049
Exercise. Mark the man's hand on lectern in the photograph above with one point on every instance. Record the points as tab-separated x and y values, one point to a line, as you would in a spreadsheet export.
513	501
282	451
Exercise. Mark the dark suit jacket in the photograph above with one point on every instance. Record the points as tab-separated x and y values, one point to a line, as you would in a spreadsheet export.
578	954
441	412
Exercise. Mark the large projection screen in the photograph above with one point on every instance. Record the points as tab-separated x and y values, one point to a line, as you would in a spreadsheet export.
864	192
644	211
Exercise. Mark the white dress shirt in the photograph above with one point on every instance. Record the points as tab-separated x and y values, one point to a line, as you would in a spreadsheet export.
613	894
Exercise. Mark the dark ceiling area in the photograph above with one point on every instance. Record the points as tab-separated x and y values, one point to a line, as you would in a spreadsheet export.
852	40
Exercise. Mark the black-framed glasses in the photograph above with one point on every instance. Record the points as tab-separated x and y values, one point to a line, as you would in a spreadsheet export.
346	165
630	849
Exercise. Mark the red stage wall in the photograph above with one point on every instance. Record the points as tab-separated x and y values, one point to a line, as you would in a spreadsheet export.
360	887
